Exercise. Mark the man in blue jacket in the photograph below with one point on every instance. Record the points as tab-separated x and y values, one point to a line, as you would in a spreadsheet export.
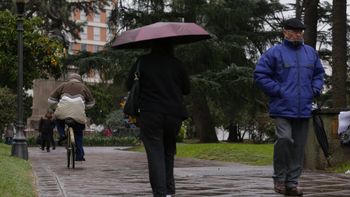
291	74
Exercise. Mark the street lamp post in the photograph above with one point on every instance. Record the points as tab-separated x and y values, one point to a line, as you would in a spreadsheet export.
19	148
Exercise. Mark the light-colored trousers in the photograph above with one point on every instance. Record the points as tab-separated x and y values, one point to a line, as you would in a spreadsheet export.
289	148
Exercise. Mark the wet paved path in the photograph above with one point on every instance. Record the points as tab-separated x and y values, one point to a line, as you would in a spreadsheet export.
112	172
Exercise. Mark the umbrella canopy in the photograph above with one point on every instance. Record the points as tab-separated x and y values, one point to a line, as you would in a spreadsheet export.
320	133
172	32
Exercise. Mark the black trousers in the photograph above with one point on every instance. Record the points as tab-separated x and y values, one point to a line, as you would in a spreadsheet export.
158	134
47	139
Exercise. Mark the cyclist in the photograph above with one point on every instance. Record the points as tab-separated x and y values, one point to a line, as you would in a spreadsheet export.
70	100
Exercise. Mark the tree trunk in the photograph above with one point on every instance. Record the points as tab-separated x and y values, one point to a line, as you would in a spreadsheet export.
310	21
203	122
298	8
339	54
233	135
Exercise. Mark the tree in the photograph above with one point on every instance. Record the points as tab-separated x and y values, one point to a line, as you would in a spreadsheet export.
42	56
310	21
298	8
57	15
240	33
146	12
106	101
339	51
7	111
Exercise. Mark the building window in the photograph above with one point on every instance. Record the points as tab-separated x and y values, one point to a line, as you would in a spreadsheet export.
83	34
97	34
97	17
82	15
95	48
83	47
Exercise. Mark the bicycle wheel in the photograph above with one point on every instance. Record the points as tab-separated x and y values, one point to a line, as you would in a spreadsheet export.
69	149
72	146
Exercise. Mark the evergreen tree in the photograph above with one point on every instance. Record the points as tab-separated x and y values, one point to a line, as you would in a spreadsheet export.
310	20
239	35
339	53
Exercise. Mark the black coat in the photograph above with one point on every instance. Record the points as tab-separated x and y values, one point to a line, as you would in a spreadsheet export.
163	82
46	126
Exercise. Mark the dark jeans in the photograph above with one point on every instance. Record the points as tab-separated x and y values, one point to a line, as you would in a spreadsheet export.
78	135
60	128
158	133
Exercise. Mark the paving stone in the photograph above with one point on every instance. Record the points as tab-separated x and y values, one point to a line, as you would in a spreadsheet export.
110	171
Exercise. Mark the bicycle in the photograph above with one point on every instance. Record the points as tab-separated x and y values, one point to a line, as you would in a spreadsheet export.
70	142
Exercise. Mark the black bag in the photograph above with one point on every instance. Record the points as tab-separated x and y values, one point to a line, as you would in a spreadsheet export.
131	106
344	137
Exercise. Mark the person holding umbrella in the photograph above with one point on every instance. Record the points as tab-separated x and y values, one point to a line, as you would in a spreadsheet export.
163	82
291	74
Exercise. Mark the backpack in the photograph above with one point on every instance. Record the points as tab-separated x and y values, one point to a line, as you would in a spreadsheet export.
344	136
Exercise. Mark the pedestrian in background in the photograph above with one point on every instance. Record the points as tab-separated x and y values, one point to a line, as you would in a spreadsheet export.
291	74
163	82
9	133
46	126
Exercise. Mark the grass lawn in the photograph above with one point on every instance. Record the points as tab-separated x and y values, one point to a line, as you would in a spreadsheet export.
252	154
16	175
340	168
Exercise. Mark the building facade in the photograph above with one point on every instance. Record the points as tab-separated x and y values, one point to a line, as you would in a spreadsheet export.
93	38
95	32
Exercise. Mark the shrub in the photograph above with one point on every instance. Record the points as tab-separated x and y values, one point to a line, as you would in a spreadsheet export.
31	141
98	140
110	141
115	119
180	137
7	109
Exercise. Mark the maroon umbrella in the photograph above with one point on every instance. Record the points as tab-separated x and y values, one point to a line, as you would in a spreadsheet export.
172	32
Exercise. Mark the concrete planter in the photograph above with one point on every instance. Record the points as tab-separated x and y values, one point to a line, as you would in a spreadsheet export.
314	157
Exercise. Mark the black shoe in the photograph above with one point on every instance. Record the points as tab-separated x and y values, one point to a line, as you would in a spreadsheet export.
83	159
53	148
48	150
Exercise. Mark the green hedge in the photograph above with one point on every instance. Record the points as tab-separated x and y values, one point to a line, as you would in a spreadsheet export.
99	141
110	141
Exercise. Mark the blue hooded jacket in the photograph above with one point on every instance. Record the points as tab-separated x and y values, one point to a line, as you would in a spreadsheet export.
291	76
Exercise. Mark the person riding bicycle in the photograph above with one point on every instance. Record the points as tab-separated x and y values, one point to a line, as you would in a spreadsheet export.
70	100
